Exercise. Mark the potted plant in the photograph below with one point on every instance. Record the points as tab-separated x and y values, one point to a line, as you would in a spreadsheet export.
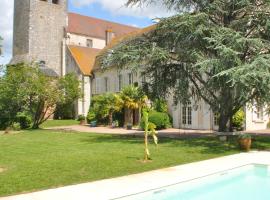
129	126
244	142
82	119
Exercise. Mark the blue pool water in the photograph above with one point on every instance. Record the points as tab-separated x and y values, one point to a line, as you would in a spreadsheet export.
250	182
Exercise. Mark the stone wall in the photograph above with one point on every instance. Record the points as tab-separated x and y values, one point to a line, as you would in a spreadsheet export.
21	27
46	31
39	31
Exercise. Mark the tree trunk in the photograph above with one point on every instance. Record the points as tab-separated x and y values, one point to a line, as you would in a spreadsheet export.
35	125
231	124
110	118
224	122
128	116
140	115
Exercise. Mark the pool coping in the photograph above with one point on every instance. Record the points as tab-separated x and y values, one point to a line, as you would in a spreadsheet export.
116	188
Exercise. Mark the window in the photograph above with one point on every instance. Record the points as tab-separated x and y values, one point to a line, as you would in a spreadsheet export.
106	84
184	115
136	84
98	85
120	82
259	112
89	43
187	114
216	119
55	1
130	78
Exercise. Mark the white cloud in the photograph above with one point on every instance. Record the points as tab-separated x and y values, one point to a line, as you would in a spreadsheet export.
6	29
118	8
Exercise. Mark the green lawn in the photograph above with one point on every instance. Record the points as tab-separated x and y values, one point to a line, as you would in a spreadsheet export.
54	123
35	160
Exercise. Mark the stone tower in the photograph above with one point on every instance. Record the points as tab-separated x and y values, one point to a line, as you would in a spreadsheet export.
39	28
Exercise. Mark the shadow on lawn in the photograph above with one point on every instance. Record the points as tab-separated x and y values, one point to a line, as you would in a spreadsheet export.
261	143
205	145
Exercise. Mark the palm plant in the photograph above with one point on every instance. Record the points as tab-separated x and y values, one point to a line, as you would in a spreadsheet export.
133	99
114	104
106	105
149	129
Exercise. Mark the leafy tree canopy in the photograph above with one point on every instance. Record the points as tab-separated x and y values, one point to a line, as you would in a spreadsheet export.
213	50
24	88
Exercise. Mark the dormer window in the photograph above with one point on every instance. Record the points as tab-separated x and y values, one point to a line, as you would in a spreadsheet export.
109	36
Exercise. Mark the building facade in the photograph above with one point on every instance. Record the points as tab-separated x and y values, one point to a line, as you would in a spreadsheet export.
195	115
45	33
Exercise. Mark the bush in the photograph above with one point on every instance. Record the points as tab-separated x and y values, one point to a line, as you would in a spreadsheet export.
81	118
91	116
4	123
16	126
161	120
160	105
24	120
238	120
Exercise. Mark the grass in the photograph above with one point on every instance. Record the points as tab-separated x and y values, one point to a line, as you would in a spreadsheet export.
40	159
54	123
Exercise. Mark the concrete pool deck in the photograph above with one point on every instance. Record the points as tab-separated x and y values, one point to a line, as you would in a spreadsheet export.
132	184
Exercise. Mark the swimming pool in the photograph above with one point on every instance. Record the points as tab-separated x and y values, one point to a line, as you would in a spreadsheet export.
250	182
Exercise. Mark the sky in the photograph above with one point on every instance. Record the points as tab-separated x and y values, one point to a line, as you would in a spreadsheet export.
112	10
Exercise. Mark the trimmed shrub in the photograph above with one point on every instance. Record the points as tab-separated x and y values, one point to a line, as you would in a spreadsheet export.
238	120
161	120
24	120
91	116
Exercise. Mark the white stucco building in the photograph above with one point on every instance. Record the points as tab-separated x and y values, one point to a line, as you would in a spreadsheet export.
196	115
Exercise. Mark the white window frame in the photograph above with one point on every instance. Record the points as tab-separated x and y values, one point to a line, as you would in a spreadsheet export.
187	114
216	119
